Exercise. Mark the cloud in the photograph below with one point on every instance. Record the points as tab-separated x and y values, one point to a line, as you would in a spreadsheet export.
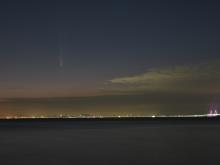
3	100
200	79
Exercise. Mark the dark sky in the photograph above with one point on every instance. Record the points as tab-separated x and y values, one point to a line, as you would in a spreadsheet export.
95	48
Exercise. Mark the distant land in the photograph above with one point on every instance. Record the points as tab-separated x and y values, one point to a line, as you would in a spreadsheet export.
119	118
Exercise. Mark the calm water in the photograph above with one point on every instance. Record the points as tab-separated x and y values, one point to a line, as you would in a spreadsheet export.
109	142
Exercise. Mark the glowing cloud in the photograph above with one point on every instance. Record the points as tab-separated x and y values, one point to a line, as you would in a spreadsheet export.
201	78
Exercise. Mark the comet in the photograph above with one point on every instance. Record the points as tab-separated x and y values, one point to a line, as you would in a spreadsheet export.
61	59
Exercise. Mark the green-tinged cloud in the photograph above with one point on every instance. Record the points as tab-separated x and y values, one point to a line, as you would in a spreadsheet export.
201	79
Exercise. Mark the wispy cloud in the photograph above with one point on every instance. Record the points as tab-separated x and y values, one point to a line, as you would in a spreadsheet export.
200	78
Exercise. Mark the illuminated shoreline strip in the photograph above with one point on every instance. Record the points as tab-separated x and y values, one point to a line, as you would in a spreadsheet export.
107	117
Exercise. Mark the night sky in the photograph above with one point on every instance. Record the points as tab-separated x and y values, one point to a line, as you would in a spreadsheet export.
114	57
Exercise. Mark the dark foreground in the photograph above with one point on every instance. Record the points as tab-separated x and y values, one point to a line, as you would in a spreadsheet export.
44	142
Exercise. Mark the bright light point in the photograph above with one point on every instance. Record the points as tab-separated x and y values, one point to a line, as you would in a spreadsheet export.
153	116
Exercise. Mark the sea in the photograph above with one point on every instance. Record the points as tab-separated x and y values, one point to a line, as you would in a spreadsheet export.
109	142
